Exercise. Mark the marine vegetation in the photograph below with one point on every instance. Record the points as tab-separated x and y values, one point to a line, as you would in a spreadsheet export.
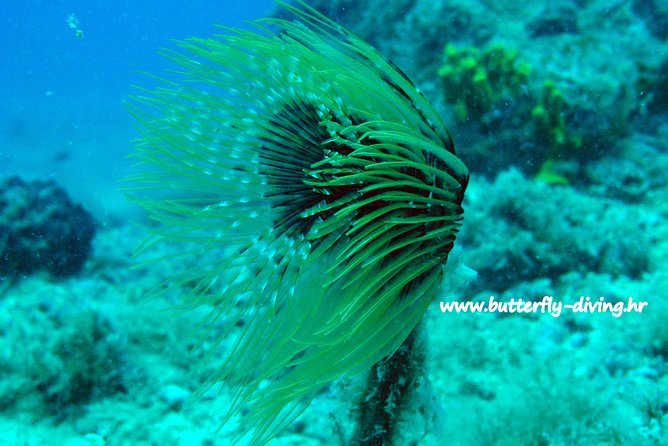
495	88
550	122
549	127
326	186
475	80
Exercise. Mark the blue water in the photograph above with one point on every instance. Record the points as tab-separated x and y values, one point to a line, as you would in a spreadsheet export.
62	97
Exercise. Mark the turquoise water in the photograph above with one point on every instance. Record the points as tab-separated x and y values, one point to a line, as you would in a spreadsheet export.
63	97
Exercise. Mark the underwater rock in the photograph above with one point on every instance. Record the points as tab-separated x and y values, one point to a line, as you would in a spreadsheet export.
658	90
630	177
554	21
655	15
41	229
174	396
60	351
543	231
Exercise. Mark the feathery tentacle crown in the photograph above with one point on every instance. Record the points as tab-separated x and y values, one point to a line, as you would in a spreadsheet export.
318	161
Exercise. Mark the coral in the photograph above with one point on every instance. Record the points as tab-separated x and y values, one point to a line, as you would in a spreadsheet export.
56	354
480	83
518	379
82	364
40	228
549	122
507	109
549	128
517	372
542	231
476	80
336	185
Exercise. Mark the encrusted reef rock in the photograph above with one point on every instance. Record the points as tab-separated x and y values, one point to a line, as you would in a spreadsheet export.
41	229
